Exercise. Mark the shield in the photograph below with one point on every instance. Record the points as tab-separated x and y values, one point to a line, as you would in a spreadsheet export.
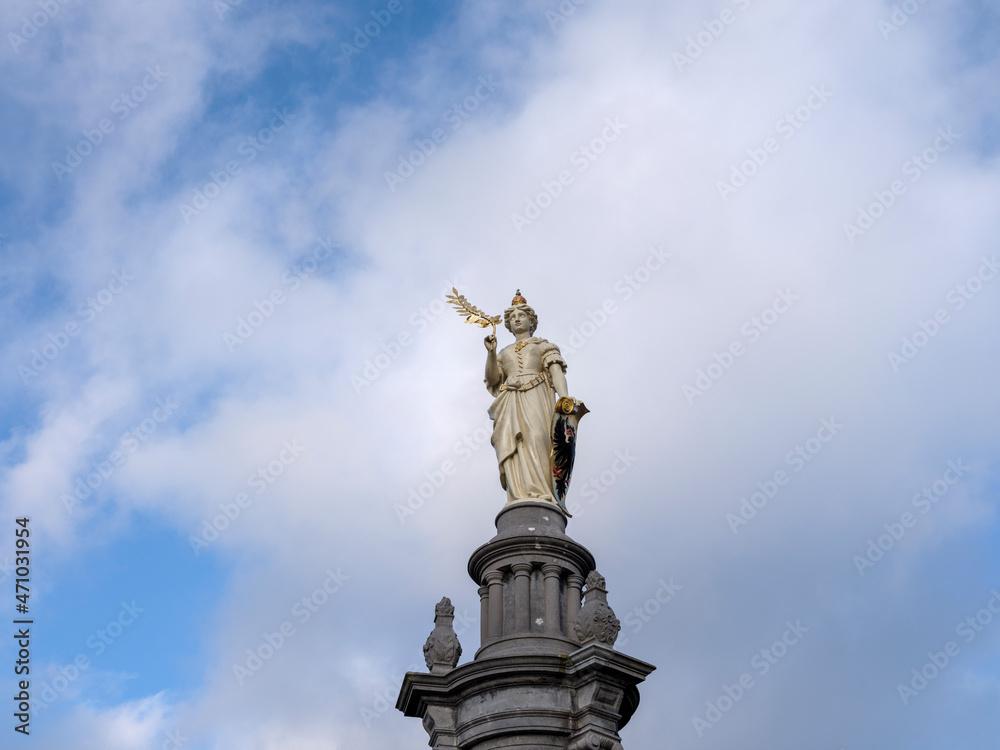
565	418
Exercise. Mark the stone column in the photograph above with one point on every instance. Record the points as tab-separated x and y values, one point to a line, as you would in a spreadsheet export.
552	574
522	603
559	685
573	585
484	614
494	580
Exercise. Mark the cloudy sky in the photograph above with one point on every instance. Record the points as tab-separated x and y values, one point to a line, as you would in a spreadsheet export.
763	232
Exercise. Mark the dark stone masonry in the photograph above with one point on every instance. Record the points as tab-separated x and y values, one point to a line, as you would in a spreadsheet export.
546	674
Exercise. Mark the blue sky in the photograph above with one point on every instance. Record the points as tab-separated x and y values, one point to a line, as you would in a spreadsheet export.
225	240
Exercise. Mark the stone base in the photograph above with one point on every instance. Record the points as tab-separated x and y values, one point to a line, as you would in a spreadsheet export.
530	516
532	684
537	701
530	575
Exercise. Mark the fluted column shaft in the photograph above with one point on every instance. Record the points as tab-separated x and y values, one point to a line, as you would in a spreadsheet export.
522	597
552	574
494	580
484	614
573	585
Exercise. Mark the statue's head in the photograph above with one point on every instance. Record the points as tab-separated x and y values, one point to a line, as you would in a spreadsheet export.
520	305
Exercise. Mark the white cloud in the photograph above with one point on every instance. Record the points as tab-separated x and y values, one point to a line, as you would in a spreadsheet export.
655	184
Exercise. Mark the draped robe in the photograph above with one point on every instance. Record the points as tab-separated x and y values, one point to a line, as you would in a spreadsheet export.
522	419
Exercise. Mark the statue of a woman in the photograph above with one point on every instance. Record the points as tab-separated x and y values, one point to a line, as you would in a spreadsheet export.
526	378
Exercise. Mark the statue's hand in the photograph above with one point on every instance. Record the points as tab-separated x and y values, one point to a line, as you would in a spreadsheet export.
491	343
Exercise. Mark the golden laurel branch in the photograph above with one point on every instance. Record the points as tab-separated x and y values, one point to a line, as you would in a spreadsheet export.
472	313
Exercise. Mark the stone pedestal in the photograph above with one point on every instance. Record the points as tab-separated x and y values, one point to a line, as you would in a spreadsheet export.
546	674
